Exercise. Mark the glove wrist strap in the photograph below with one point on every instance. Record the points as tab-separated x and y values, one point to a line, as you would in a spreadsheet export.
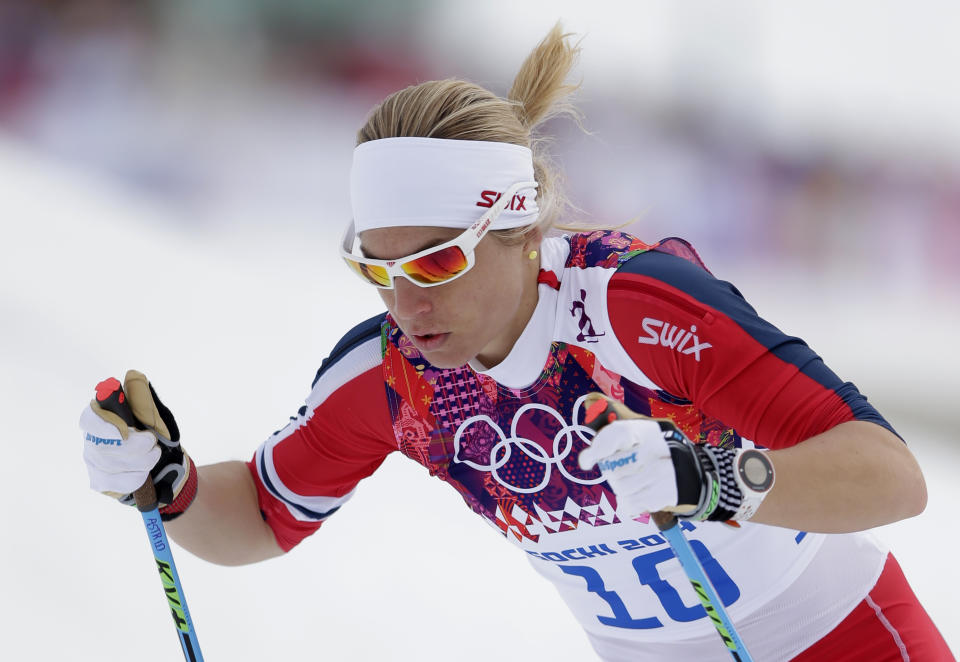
721	497
185	496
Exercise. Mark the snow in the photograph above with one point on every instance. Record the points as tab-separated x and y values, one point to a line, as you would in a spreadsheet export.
230	324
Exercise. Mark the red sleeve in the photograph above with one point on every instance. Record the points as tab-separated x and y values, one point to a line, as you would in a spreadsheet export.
698	339
305	472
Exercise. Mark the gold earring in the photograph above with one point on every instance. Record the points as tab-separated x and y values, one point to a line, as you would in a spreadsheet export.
533	255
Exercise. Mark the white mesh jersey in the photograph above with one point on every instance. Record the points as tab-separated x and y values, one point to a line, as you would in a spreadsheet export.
649	326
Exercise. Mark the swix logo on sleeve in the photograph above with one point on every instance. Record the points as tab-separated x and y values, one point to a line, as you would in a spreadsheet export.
488	198
671	336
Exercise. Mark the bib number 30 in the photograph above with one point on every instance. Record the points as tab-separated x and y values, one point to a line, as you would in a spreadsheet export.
646	567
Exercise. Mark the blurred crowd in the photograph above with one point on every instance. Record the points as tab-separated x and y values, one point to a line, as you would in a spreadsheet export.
246	110
891	219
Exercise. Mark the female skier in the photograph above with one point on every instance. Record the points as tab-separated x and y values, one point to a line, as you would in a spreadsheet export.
494	335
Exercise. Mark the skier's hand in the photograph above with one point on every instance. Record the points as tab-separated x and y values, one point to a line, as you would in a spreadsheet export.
635	460
119	457
652	467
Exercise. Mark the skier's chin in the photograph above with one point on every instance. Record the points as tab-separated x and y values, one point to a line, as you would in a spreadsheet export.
446	357
444	360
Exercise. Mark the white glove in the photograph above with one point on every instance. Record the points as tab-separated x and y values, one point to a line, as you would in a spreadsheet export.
118	458
635	460
652	467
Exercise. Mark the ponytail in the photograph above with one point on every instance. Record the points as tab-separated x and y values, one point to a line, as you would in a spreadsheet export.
540	88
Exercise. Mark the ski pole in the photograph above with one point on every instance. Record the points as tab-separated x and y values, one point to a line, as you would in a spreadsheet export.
146	499
598	416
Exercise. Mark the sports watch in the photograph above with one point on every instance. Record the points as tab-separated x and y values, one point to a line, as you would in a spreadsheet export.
753	472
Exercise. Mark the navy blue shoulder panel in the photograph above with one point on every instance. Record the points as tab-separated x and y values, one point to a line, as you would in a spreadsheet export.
700	284
355	337
720	296
723	297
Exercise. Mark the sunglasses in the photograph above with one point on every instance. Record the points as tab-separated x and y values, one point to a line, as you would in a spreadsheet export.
434	266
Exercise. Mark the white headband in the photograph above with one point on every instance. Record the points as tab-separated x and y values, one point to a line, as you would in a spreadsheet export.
438	182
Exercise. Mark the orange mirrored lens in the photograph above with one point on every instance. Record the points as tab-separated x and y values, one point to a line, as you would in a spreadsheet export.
370	273
437	267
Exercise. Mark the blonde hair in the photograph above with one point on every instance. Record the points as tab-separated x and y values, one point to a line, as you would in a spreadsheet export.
460	110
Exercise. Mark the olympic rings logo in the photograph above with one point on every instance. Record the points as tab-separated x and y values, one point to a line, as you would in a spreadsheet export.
562	446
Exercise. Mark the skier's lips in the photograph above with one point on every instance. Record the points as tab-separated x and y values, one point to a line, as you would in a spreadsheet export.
429	341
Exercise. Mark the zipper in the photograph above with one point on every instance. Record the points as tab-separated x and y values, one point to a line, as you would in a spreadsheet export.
698	311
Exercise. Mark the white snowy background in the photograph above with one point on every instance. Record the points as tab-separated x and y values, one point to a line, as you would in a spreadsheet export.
223	286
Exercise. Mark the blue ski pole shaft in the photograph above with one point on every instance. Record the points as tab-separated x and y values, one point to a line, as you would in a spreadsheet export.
146	499
599	415
702	586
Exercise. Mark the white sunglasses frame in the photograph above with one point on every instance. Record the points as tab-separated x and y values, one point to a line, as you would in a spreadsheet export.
466	241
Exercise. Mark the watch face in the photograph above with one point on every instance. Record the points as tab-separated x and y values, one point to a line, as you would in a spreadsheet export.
755	470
